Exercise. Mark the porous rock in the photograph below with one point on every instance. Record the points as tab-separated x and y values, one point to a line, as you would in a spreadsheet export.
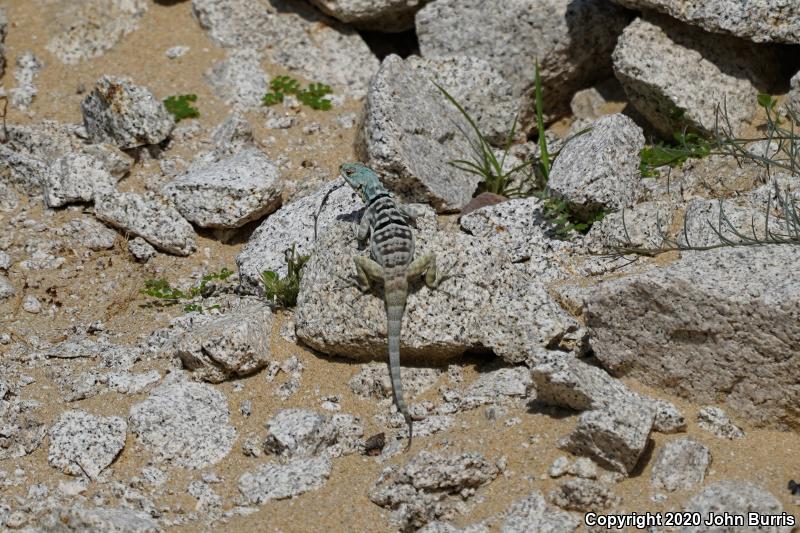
124	114
739	300
716	421
534	514
280	481
77	177
185	423
82	443
231	345
229	193
676	76
299	433
583	495
680	464
158	223
599	170
734	497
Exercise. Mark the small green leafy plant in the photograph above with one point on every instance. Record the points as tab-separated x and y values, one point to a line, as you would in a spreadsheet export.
282	291
686	145
166	295
181	106
313	96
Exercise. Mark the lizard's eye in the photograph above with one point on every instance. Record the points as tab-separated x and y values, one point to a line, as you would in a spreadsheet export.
349	171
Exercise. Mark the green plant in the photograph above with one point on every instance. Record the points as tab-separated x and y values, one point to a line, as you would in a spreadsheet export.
686	145
283	291
313	96
564	220
167	295
181	106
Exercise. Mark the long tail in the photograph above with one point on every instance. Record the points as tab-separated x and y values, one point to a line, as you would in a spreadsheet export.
395	306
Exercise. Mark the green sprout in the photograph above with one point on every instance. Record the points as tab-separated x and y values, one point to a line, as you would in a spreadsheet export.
313	96
181	106
166	295
283	291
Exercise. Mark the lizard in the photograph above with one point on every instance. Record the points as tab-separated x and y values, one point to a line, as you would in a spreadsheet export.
391	246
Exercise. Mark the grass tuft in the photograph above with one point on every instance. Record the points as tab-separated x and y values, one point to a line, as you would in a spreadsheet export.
181	106
283	291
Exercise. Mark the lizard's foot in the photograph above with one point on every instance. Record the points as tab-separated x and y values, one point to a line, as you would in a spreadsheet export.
353	282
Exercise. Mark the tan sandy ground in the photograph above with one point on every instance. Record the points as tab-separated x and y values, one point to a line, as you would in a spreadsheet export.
106	288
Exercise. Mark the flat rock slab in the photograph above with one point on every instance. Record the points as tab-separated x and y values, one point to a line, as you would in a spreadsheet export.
709	305
572	41
676	75
280	481
184	423
410	132
374	15
158	223
490	304
81	443
599	170
763	21
79	177
124	114
229	193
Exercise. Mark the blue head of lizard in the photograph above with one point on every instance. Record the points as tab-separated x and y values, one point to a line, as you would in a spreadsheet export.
363	180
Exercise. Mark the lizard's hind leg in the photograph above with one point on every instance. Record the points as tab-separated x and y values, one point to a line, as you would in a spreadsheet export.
367	273
426	264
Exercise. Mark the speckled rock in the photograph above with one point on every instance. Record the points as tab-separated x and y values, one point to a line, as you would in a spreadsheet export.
79	177
374	15
763	21
680	464
22	432
534	514
676	75
229	193
299	433
159	224
239	79
141	250
6	288
372	381
734	497
599	170
571	39
584	495
228	346
28	67
95	519
715	420
89	232
85	444
184	423
280	481
124	114
410	132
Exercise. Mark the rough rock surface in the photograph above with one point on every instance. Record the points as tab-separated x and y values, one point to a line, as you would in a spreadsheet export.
228	346
124	114
534	514
229	193
711	304
491	304
584	495
293	35
87	29
184	423
716	421
680	464
374	15
239	79
280	481
373	381
114	519
299	433
735	497
676	75
21	432
410	132
78	177
141	250
89	232
28	67
767	21
159	224
571	39
599	170
81	443
418	491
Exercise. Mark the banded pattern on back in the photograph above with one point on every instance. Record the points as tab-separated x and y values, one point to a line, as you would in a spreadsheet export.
392	242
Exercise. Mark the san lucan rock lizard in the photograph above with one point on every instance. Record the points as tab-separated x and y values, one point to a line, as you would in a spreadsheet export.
391	246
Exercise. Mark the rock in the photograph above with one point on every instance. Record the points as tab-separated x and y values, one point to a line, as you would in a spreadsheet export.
534	514
739	300
372	381
132	383
239	80
676	75
496	386
31	304
81	443
444	527
680	464
491	304
184	423
572	41
76	177
292	225
299	433
734	497
28	67
124	114
141	250
599	170
584	495
20	431
6	288
228	346
5	261
768	21
421	490
716	421
3	33
88	29
615	438
702	225
232	135
229	193
519	228
175	52
793	98
644	225
159	224
373	15
583	467
410	132
278	482
293	35
89	233
94	520
559	467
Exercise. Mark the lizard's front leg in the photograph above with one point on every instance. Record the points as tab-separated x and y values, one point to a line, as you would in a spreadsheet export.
426	264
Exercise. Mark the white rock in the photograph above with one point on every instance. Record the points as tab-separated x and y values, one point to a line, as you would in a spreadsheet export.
534	514
716	421
81	443
735	497
239	79
373	15
280	481
177	51
141	250
28	67
680	464
31	304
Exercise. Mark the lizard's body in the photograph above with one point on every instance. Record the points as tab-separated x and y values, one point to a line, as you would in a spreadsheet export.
391	245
